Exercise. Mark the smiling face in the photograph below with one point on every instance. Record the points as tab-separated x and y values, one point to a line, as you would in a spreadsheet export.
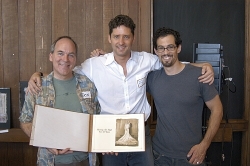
121	40
63	59
169	56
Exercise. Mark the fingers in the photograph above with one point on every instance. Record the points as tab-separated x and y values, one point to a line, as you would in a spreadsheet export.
102	52
53	151
207	74
97	52
59	151
198	160
110	153
32	88
196	155
34	84
207	78
65	151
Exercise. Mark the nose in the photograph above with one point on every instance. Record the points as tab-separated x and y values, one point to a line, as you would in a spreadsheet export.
65	57
121	40
165	49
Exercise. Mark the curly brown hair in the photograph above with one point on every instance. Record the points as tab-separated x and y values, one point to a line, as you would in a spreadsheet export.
121	20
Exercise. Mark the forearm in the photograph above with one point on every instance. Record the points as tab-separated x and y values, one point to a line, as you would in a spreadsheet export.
213	126
26	127
200	64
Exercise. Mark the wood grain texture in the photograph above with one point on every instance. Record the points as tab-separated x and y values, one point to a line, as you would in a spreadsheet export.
3	153
29	154
133	12
43	35
14	135
26	14
60	18
108	6
144	33
1	50
11	54
77	27
245	159
94	26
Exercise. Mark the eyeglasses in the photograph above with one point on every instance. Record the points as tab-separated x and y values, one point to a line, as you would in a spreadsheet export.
161	49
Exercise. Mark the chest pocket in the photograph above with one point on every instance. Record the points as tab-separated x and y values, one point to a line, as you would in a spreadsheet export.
141	82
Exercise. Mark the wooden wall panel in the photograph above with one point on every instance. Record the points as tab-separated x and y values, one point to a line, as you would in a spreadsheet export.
77	27
117	7
29	154
3	153
15	152
43	35
124	7
26	38
1	49
108	13
10	54
245	159
60	18
94	25
133	12
144	35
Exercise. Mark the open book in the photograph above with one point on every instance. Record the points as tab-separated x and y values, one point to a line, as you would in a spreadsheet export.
60	129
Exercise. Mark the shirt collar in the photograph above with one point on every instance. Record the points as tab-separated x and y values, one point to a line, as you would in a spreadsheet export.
111	58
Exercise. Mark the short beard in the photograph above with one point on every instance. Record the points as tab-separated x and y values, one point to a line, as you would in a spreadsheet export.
166	64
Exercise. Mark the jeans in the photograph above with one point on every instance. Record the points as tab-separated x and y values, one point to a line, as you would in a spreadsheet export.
132	158
161	160
82	163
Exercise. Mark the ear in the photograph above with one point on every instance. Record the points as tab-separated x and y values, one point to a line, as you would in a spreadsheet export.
109	39
179	49
133	38
50	57
155	50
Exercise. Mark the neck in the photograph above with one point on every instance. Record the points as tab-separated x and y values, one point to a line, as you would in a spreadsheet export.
122	60
175	69
63	77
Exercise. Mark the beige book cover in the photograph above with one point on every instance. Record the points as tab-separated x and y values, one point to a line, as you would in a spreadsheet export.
60	129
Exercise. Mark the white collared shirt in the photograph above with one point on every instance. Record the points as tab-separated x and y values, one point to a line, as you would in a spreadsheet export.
118	94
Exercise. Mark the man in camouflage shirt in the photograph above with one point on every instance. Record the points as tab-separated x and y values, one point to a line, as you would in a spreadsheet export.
62	89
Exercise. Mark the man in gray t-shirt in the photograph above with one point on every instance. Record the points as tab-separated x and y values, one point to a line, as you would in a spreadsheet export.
179	99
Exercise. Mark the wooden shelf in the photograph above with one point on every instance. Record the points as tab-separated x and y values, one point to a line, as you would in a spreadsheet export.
14	135
235	124
225	132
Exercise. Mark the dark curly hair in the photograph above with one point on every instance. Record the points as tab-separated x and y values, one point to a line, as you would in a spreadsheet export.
163	32
121	20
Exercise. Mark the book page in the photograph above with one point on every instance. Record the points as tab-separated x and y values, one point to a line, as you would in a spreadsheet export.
60	129
118	133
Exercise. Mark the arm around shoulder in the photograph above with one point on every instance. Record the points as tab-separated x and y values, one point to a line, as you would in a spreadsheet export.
207	72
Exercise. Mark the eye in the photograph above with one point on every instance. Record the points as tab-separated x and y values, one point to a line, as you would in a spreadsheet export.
72	55
60	53
126	37
160	48
171	46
